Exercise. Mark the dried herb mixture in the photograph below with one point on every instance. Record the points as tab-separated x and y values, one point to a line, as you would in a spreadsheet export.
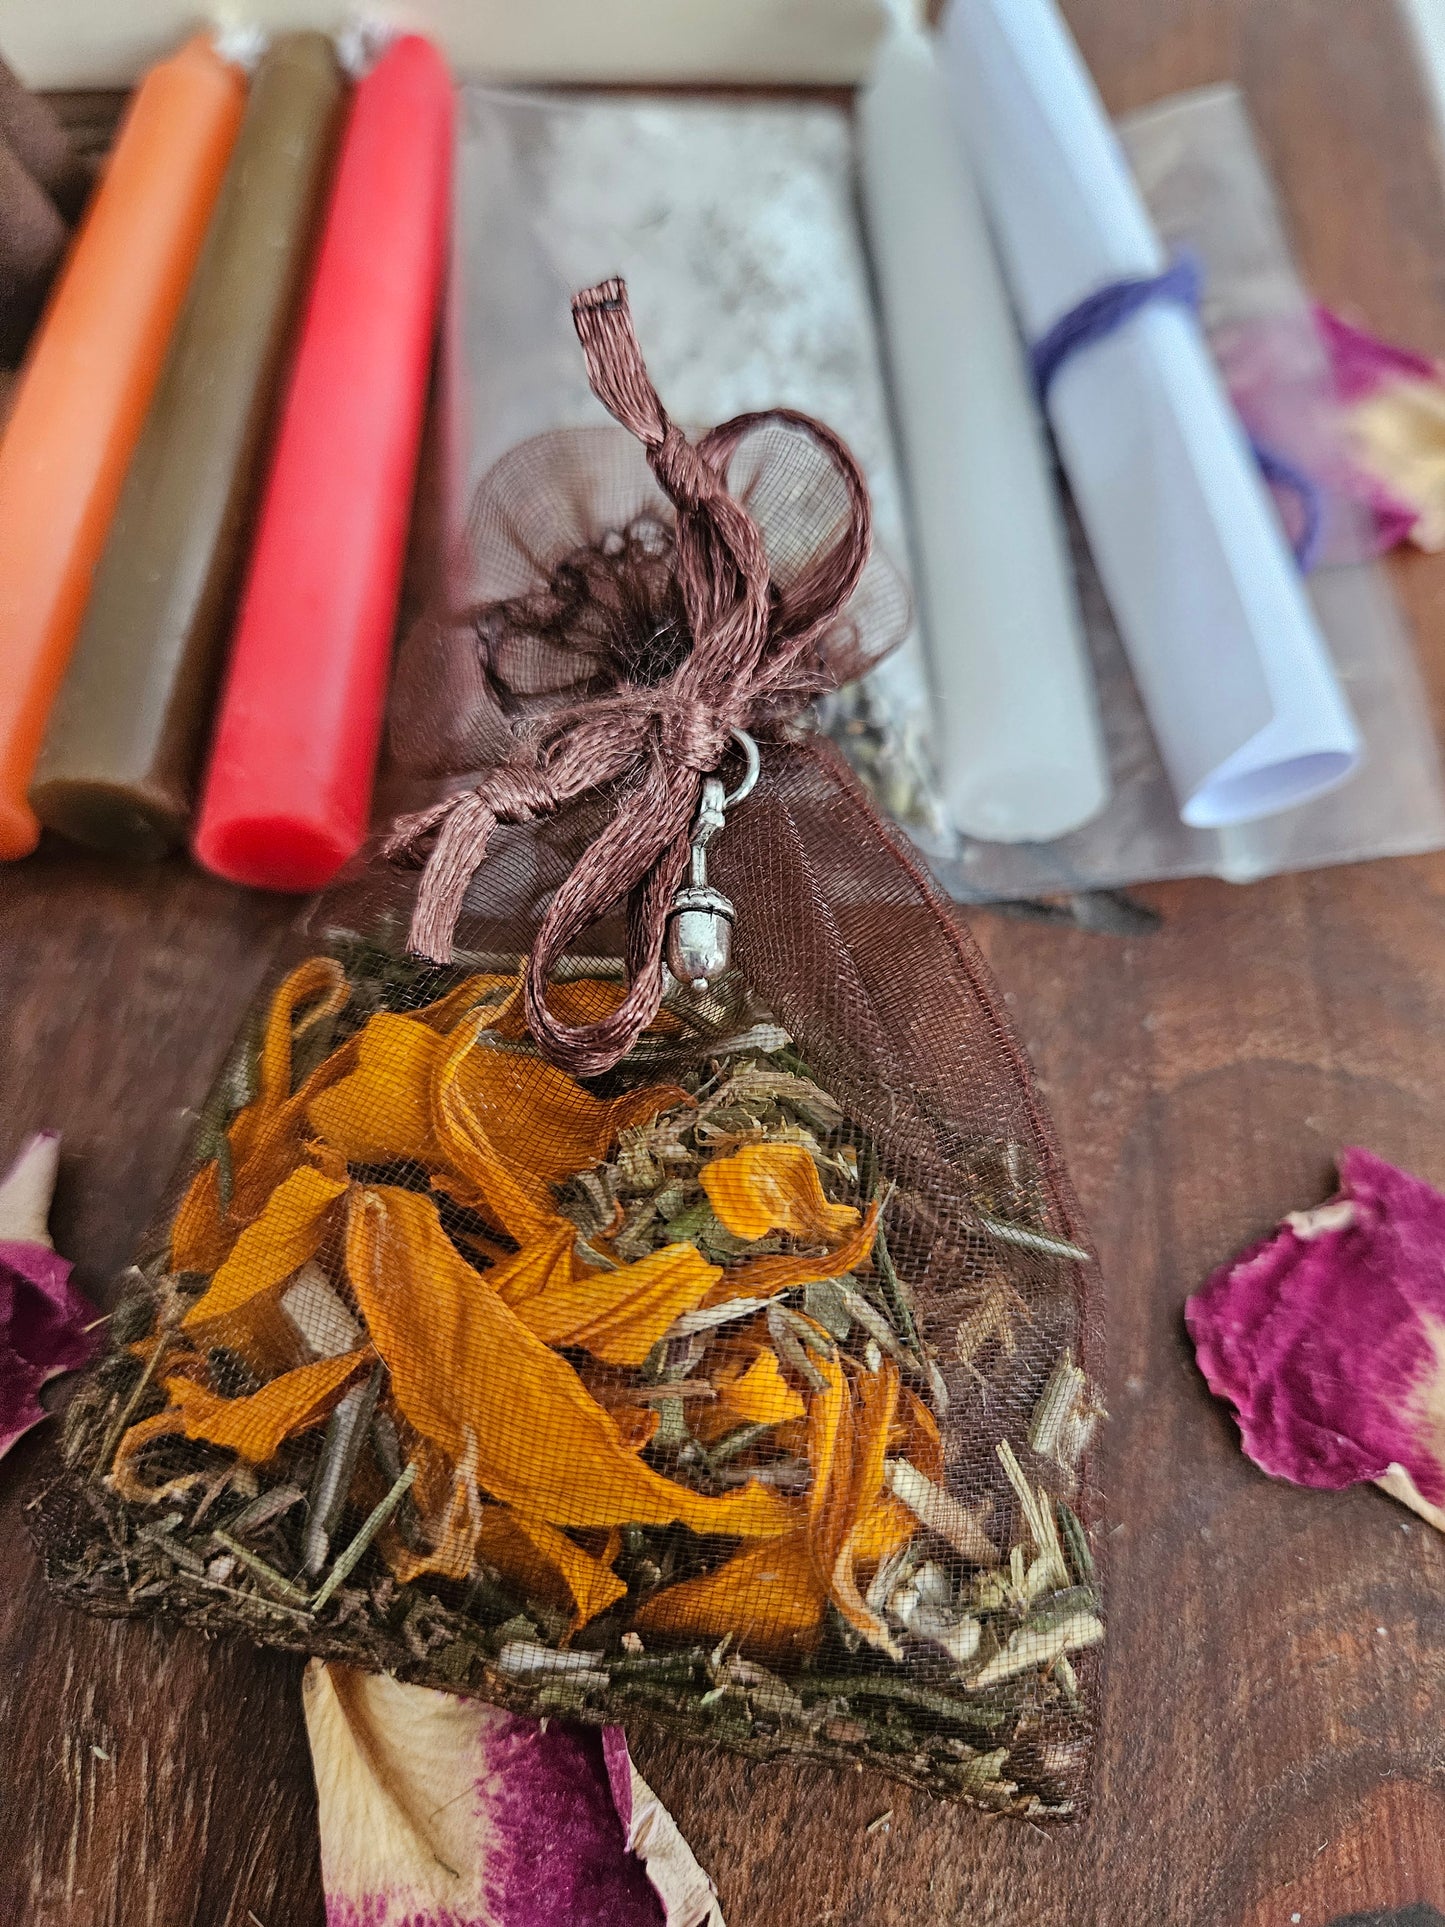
596	1399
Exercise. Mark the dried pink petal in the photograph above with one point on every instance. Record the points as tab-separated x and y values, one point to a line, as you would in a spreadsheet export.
27	1188
437	1811
1328	1338
45	1322
1394	406
1361	361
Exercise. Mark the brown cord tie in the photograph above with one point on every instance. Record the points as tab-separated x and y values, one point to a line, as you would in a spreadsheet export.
752	661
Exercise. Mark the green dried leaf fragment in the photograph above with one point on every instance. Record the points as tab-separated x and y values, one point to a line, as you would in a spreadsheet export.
791	1348
1064	1417
823	1302
899	1299
1076	1543
1066	1624
1050	1572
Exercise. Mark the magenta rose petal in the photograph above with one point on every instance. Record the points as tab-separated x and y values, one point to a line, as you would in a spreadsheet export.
1362	362
1328	1339
46	1323
438	1811
1394	410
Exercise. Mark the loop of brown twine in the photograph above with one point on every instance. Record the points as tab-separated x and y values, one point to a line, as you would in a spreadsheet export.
751	657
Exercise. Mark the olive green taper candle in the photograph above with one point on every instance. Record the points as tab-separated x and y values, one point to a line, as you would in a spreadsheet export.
128	734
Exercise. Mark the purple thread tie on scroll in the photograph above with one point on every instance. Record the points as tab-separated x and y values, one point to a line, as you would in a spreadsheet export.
1109	308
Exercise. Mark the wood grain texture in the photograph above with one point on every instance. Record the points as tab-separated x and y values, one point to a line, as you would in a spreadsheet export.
1274	1740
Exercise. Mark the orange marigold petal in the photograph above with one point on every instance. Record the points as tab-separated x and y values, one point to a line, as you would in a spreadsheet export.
290	1230
620	1315
198	1235
512	1125
432	1488
583	1000
761	1395
765	1277
263	1139
257	1425
921	1441
382	1112
464	1367
774	1187
125	1480
319	982
884	1529
877	1401
527	1550
848	1431
637	1423
830	1459
472	1107
451	1510
447	1011
544	1265
768	1597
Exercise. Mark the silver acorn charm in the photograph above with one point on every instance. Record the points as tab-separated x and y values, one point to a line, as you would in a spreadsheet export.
700	922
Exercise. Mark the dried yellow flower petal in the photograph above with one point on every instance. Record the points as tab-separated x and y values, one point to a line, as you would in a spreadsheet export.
124	1479
264	1139
583	1000
848	1431
545	1263
462	999
917	1431
511	1125
768	1597
451	1519
317	987
774	1596
464	1367
779	1271
499	1127
292	1228
761	1395
876	1402
528	1551
198	1234
774	1187
381	1112
619	1315
256	1425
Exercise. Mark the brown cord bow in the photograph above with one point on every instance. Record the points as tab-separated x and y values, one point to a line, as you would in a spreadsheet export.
753	659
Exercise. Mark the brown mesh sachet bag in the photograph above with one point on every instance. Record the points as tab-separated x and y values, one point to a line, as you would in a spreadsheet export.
561	1311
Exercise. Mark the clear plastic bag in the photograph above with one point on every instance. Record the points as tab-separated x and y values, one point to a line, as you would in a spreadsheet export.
1208	192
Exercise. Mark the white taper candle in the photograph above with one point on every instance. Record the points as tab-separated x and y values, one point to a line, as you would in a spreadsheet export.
1017	735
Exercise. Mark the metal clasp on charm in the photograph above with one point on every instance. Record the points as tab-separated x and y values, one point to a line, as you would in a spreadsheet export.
700	923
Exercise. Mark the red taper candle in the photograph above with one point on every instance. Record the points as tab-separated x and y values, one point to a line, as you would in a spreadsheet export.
288	791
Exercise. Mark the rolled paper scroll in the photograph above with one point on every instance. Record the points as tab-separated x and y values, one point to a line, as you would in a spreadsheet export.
289	786
88	382
1239	688
1016	738
128	732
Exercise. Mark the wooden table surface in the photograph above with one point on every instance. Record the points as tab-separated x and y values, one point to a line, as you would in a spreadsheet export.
1274	1736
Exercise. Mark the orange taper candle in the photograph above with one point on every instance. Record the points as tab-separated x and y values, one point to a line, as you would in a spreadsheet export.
85	389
